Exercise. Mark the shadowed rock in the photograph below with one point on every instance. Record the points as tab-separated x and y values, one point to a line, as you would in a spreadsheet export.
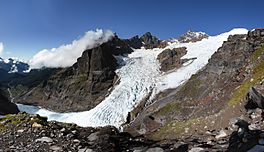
255	97
6	107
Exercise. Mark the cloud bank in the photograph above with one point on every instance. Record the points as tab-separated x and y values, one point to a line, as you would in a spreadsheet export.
1	48
67	54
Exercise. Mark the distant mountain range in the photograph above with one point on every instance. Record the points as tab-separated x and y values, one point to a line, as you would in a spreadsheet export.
12	67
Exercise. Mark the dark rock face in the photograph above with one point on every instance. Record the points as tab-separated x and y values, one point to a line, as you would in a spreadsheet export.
149	39
6	107
255	97
256	35
171	58
5	76
192	37
135	42
82	86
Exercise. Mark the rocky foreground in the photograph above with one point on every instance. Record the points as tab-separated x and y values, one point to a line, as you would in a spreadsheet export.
23	132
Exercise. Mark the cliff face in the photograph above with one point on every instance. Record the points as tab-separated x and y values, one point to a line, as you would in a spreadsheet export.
83	85
210	98
6	107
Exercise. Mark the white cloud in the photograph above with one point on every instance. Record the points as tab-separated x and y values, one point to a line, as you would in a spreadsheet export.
66	55
1	48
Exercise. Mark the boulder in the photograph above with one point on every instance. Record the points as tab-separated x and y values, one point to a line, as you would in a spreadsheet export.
155	149
255	97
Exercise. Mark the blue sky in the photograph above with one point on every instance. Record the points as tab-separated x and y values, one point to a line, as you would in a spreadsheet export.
28	26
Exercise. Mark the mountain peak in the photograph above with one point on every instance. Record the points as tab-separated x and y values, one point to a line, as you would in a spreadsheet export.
147	34
192	36
148	38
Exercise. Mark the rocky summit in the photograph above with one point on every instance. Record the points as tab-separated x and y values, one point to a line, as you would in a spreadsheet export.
191	36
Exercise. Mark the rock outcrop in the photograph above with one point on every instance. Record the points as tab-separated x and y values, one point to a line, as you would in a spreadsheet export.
255	97
257	36
6	107
83	85
135	42
147	41
171	58
249	136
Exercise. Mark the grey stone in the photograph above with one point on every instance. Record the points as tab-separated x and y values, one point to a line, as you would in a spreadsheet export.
44	139
93	136
155	149
85	150
55	148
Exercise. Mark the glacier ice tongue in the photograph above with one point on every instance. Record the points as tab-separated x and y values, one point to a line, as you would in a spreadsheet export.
139	77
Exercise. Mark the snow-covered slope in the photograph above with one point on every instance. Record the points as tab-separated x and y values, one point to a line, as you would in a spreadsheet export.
139	77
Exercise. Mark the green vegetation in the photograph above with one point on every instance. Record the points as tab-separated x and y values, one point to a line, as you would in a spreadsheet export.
257	53
257	75
172	106
192	87
13	120
174	129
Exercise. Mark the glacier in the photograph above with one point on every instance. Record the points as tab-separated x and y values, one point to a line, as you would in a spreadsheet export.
139	77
